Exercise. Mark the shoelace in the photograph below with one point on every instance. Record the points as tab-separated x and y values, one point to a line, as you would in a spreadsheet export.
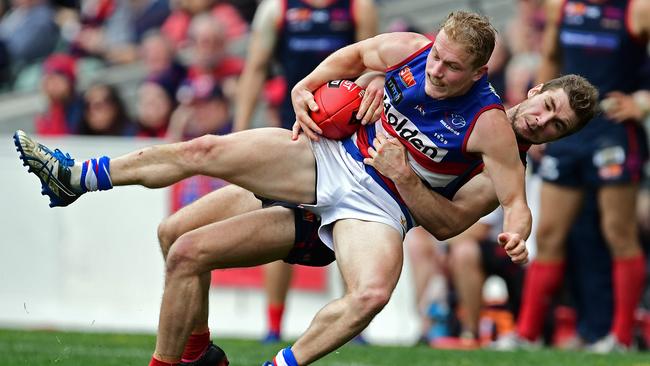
64	158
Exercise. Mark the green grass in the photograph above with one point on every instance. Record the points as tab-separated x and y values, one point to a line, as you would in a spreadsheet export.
37	348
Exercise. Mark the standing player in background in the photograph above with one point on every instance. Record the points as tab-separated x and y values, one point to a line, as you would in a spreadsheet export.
607	155
297	35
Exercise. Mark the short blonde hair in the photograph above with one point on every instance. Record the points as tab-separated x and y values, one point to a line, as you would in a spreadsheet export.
474	32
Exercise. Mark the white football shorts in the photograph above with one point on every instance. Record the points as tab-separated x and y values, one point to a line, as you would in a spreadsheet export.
345	191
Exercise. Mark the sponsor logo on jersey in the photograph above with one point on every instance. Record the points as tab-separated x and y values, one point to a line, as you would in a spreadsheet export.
593	40
612	155
321	16
406	76
494	91
340	15
448	127
394	91
298	15
406	129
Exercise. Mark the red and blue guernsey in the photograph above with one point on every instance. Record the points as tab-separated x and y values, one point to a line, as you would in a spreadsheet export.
434	131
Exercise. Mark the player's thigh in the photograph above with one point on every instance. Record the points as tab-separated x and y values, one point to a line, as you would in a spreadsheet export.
617	204
369	255
265	161
250	239
559	206
215	206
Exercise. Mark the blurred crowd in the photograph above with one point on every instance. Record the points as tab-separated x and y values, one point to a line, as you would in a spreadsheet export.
188	89
189	76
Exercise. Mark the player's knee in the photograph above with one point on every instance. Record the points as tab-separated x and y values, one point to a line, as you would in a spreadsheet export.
197	151
464	253
620	236
184	257
167	234
550	243
370	301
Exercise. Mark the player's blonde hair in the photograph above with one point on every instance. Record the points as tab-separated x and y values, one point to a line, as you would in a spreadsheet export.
474	32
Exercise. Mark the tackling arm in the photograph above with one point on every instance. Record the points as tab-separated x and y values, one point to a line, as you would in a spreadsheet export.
494	139
439	216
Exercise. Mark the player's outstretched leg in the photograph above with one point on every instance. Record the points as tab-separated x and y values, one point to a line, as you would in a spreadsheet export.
265	161
55	169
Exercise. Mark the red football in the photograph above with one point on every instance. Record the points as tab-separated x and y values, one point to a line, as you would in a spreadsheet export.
338	103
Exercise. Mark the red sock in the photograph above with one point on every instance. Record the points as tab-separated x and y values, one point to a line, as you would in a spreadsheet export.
275	313
196	346
155	362
628	280
541	283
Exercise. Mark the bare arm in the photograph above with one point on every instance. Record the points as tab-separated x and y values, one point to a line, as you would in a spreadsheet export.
640	19
260	49
494	139
438	215
550	65
377	53
366	18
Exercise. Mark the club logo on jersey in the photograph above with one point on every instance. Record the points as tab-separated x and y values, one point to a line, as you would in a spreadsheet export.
406	76
394	91
407	130
420	109
457	120
494	91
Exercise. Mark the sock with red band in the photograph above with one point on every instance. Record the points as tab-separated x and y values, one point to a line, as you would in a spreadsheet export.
275	313
196	346
628	281
156	362
285	358
541	283
95	174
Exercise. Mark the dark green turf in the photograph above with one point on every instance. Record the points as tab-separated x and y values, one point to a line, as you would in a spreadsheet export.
37	348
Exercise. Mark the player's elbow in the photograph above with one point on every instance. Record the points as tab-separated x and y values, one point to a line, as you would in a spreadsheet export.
442	231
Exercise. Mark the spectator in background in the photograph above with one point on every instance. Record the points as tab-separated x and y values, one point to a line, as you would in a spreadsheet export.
65	107
104	113
28	31
111	29
202	110
159	58
177	25
155	104
209	55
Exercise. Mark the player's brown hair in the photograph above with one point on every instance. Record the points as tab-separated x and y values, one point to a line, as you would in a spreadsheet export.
583	97
474	32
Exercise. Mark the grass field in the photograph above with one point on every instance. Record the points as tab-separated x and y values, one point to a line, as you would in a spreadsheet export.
36	348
